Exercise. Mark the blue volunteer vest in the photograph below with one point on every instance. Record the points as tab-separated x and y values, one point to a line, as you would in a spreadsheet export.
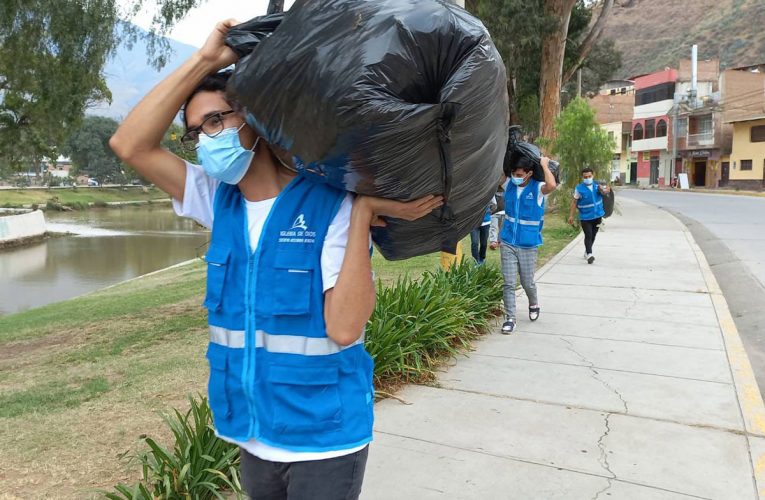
487	216
275	375
524	217
590	202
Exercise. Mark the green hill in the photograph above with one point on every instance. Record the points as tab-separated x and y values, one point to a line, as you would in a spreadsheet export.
652	34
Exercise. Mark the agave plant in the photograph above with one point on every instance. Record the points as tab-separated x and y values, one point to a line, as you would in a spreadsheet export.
200	465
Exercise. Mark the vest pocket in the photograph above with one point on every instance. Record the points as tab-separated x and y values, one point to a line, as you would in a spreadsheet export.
305	399
293	279
217	263
217	356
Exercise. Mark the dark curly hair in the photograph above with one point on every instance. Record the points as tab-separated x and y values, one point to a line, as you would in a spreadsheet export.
515	161
215	82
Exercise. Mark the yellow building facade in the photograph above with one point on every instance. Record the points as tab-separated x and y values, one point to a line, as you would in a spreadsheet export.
747	157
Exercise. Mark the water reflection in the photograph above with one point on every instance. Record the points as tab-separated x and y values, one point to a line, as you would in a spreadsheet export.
112	245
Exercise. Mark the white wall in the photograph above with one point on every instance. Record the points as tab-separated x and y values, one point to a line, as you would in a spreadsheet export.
616	129
16	227
660	108
650	144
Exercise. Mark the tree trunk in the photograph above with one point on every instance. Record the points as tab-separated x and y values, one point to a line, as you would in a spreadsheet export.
591	39
553	50
275	6
515	119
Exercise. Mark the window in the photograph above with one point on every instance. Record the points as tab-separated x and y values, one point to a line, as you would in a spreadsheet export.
611	134
637	132
650	131
661	129
682	126
746	164
613	91
661	92
757	134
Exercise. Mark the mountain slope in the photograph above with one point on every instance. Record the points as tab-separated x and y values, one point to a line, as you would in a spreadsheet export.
129	76
652	34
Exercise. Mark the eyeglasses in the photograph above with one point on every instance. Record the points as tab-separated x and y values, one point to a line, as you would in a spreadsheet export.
211	126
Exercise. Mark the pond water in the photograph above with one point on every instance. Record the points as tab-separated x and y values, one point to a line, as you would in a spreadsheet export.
109	246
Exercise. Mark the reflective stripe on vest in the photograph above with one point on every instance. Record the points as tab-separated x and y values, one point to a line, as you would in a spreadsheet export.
591	204
284	344
523	222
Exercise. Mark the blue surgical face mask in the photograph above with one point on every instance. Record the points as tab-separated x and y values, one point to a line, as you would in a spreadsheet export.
517	180
223	156
587	181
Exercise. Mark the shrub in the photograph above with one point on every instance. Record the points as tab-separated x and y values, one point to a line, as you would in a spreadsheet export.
200	466
54	204
416	324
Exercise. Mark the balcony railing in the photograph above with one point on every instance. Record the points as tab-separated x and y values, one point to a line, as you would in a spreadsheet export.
701	140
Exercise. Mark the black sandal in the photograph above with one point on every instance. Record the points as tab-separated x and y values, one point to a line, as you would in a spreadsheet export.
534	313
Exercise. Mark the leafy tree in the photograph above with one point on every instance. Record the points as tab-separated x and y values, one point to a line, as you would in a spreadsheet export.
602	63
522	28
579	143
89	149
52	55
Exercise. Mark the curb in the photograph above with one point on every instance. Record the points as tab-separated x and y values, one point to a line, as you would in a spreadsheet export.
748	394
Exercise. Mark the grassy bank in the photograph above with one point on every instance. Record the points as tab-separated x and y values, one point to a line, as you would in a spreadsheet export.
80	197
81	381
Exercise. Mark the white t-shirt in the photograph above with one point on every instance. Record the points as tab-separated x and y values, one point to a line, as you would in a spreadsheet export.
198	196
576	193
540	197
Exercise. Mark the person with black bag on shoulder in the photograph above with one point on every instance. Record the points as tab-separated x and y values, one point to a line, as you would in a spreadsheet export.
588	199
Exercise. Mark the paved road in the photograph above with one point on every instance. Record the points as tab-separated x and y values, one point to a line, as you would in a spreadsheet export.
731	232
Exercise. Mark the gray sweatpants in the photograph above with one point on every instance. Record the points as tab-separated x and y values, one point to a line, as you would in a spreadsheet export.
515	261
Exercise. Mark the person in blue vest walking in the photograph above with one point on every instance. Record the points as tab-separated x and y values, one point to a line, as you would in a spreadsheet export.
289	285
521	234
588	199
479	237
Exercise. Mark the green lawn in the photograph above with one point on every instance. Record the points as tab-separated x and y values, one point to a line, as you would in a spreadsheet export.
82	380
12	198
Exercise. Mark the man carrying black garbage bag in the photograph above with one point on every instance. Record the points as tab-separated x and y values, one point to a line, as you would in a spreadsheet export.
521	233
588	199
289	285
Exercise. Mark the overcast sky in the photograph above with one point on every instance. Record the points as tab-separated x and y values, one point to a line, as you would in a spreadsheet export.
198	23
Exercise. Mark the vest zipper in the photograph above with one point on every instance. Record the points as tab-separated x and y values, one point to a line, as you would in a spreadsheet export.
253	263
517	216
249	337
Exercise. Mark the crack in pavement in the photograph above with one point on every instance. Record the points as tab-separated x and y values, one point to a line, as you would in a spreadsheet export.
595	374
603	459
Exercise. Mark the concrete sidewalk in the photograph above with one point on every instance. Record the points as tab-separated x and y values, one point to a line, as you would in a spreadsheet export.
633	384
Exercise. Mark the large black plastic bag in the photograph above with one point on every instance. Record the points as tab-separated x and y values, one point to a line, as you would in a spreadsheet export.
518	148
391	98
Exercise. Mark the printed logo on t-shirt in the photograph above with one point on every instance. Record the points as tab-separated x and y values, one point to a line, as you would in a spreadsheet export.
530	196
298	233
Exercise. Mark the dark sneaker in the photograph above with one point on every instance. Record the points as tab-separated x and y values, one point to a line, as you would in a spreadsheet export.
534	313
508	326
590	259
